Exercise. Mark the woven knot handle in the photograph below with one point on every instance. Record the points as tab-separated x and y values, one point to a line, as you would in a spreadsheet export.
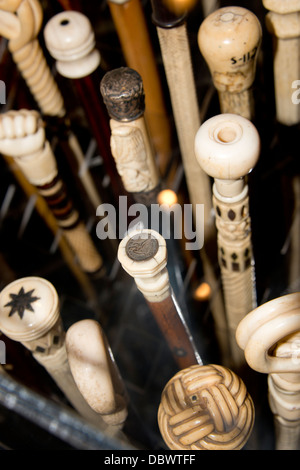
206	408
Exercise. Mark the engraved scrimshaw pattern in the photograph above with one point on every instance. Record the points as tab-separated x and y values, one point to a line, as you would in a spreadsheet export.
205	408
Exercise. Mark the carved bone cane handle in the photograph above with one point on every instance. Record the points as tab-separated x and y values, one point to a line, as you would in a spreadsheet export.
270	338
229	40
205	408
95	372
22	20
29	313
283	22
22	136
227	147
123	93
143	255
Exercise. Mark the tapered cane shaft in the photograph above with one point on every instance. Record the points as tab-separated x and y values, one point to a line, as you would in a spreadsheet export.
283	22
95	371
132	29
143	255
175	49
205	408
270	339
22	136
227	147
29	313
123	93
20	23
229	40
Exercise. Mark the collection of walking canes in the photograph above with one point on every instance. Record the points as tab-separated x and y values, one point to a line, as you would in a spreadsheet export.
203	406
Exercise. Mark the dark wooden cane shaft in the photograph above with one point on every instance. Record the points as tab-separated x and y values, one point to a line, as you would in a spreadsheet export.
177	337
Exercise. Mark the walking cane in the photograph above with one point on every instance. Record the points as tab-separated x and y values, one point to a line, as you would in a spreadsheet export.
20	23
95	371
174	44
132	30
123	94
71	42
143	255
227	147
270	339
29	313
22	136
205	408
282	21
229	40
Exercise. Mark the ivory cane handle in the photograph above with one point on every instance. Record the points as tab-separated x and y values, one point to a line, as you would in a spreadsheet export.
229	40
22	136
95	372
270	339
29	313
205	408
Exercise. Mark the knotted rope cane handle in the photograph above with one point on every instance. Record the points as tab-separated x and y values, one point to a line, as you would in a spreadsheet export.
270	339
229	40
20	23
29	313
282	22
123	94
205	408
22	136
227	147
95	372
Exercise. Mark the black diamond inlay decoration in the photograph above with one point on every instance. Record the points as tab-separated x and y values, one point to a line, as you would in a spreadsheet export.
21	302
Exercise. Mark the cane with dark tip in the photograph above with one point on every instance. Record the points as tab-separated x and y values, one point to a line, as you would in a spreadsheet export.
123	93
282	22
227	147
143	255
29	313
270	339
132	29
205	408
22	136
229	40
95	372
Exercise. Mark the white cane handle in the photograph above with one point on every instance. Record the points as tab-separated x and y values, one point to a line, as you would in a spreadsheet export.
264	327
22	136
29	314
20	23
94	371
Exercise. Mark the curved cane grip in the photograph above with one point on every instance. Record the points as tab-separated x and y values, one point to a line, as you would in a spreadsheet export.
265	326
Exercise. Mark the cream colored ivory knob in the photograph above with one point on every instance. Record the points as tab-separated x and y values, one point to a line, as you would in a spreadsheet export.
227	147
143	255
94	371
263	328
229	40
282	6
70	40
29	309
205	408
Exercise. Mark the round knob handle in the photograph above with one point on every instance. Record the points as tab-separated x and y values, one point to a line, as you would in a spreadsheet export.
70	40
229	40
227	146
123	94
29	308
263	328
205	408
